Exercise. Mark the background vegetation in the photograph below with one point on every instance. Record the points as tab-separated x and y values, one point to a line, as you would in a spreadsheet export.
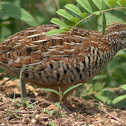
21	14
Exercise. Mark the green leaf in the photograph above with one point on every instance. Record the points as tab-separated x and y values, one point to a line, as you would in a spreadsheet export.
118	99
85	4
65	14
65	28
122	3
106	1
52	90
98	77
74	9
105	95
10	10
97	12
123	87
103	23
58	22
71	88
112	3
55	31
98	3
75	20
51	124
84	15
57	103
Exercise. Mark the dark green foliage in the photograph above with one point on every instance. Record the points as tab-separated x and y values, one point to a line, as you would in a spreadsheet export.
103	6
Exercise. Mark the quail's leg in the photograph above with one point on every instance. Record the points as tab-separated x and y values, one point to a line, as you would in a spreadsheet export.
23	89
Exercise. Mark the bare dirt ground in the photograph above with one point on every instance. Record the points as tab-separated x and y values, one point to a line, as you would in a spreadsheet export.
45	113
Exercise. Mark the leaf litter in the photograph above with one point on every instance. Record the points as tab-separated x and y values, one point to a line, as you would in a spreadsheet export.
40	111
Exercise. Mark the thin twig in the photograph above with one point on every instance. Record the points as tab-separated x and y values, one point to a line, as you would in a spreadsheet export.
110	114
99	121
56	7
113	116
54	4
63	106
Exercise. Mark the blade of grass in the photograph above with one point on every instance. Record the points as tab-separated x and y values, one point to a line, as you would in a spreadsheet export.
52	90
71	88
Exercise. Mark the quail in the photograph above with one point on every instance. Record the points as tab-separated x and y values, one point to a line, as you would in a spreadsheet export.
60	60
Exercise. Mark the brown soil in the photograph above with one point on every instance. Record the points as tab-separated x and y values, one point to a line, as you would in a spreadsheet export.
45	113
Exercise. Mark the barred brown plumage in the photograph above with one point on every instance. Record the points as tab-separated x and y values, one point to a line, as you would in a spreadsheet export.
60	60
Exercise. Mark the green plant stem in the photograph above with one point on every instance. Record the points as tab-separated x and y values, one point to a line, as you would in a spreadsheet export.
81	21
102	11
